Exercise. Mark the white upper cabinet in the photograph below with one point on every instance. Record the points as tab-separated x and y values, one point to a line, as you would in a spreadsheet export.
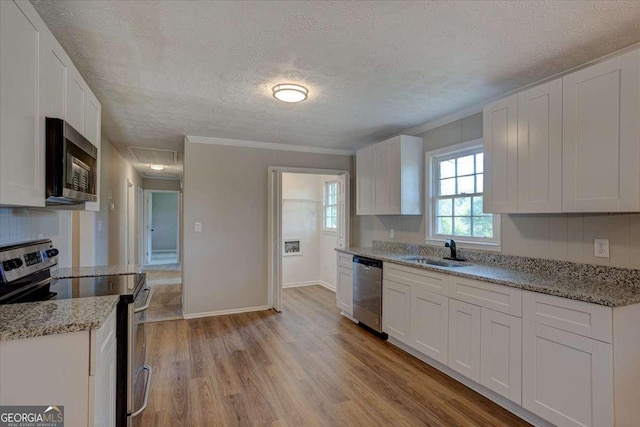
540	148
569	145
37	80
389	177
501	155
601	136
75	100
364	181
22	167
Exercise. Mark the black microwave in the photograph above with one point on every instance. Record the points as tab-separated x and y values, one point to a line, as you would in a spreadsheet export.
71	165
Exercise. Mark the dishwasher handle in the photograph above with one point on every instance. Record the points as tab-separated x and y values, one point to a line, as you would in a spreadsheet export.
367	262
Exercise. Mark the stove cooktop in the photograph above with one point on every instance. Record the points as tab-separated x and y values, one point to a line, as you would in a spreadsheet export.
124	285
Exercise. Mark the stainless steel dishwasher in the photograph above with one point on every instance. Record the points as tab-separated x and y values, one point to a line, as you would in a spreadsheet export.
367	292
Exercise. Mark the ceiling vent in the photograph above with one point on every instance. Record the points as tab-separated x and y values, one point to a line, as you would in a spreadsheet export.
154	155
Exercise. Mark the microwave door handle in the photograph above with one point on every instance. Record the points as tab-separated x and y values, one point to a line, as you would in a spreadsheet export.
147	302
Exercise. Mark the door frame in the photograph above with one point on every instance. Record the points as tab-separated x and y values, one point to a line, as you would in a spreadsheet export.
140	221
148	212
274	218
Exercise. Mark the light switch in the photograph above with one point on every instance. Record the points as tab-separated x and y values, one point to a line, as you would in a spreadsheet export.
392	233
198	227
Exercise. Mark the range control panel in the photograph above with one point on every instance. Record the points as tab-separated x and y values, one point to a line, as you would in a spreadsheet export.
20	260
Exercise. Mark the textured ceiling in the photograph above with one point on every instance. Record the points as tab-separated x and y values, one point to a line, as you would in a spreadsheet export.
167	69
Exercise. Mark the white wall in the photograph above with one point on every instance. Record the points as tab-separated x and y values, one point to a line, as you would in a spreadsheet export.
111	225
303	220
226	188
161	184
565	237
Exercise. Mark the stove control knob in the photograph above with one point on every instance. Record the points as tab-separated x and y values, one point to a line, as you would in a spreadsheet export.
52	252
12	264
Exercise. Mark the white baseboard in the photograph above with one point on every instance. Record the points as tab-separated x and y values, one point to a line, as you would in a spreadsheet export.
309	283
224	312
510	406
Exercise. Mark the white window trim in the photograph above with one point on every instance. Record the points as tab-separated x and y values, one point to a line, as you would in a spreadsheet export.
430	190
325	230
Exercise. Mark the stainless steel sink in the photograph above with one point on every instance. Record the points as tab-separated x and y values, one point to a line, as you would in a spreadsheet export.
436	262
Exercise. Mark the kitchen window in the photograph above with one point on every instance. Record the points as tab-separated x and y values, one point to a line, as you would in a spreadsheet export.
455	195
330	206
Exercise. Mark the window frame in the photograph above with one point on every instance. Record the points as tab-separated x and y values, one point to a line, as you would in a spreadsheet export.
432	159
325	205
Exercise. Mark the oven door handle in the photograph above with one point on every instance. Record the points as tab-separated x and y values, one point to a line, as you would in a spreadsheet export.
147	302
147	389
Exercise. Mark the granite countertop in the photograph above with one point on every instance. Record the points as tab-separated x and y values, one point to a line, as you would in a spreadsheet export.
35	319
612	293
100	270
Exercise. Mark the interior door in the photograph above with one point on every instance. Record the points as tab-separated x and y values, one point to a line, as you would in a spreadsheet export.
148	224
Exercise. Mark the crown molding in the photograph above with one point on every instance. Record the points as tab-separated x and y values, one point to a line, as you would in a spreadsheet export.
266	145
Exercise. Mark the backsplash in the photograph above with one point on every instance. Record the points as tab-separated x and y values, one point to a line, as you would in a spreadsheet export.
19	224
539	266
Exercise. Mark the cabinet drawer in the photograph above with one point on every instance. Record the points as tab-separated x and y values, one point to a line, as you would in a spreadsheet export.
345	260
496	297
430	281
582	318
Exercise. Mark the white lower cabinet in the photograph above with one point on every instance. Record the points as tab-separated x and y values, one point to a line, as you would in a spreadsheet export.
79	374
567	378
464	338
430	323
396	310
501	354
344	290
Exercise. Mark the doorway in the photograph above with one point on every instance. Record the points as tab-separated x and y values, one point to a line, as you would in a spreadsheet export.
162	227
308	219
161	240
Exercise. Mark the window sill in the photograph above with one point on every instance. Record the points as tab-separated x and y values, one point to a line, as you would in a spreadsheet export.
490	247
330	232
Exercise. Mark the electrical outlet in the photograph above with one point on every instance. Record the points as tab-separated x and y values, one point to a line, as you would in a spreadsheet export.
198	227
601	248
392	233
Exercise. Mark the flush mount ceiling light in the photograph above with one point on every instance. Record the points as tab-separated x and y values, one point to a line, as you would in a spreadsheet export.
289	92
157	167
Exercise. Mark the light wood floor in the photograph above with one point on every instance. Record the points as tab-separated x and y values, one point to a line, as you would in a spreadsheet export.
305	366
166	303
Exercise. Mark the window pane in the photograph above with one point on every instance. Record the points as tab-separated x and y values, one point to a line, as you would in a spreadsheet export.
444	207
483	226
477	206
332	199
479	163
462	226
334	211
447	187
479	183
465	165
443	225
465	185
462	206
448	168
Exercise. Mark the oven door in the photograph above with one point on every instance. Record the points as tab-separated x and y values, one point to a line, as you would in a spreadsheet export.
139	373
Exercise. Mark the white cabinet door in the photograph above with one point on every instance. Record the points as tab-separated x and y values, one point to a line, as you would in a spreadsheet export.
430	323
567	378
540	148
501	354
464	338
501	156
344	292
381	184
92	127
365	181
396	310
601	136
75	99
22	167
104	381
